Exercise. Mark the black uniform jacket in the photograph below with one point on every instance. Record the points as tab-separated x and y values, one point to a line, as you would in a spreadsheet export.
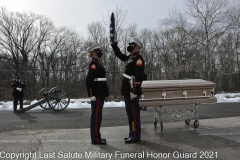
134	67
96	88
20	84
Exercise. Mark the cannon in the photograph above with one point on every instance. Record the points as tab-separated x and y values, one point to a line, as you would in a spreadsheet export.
52	99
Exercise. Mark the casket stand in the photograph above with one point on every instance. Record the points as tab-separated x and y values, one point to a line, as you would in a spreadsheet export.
159	93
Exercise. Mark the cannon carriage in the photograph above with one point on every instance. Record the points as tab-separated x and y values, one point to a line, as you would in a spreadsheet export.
50	99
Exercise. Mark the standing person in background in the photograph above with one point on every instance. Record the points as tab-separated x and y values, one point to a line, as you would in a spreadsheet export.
132	78
18	86
97	88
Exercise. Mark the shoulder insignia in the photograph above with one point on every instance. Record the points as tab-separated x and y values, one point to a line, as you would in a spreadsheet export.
93	66
139	63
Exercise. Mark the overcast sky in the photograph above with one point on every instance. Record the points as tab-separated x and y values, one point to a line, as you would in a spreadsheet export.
77	14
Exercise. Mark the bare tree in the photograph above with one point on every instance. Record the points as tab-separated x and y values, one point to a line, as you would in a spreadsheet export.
97	32
73	64
209	24
228	66
50	53
21	35
18	37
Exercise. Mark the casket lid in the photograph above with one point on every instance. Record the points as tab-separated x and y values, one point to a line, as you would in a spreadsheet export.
186	83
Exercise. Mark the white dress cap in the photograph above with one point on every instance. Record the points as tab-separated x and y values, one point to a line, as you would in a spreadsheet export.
137	41
93	47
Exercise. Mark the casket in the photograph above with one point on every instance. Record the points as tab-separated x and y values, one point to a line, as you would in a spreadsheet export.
177	92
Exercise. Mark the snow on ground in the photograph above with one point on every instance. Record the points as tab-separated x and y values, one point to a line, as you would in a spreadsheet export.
228	97
84	103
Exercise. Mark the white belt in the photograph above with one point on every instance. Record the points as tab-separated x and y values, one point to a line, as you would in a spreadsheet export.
126	76
100	79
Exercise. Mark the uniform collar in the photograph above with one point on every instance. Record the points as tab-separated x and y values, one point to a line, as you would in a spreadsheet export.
134	54
96	59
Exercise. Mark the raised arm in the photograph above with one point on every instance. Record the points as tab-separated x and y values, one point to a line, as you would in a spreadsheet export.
118	53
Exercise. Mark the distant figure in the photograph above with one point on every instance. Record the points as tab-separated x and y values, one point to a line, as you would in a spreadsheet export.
97	89
18	91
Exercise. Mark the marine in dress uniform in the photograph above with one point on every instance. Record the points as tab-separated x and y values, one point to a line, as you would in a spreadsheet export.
18	91
132	78
97	89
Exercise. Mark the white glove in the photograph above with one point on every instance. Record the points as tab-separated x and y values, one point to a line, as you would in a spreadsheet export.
19	89
93	98
132	96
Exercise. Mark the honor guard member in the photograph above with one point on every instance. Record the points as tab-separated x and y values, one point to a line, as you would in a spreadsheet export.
18	91
97	89
132	78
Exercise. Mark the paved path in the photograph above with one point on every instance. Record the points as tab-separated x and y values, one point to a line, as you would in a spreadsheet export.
215	139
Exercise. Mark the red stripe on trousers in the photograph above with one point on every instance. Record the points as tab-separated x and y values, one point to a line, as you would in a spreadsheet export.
134	120
96	120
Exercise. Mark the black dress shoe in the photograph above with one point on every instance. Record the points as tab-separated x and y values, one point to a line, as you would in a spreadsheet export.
102	139
131	141
100	142
126	138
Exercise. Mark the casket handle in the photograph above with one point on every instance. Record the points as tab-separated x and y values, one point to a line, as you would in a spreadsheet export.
213	92
185	93
164	94
204	92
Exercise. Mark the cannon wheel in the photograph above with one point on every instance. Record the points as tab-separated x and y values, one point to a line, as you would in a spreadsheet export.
58	99
196	124
41	95
187	121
